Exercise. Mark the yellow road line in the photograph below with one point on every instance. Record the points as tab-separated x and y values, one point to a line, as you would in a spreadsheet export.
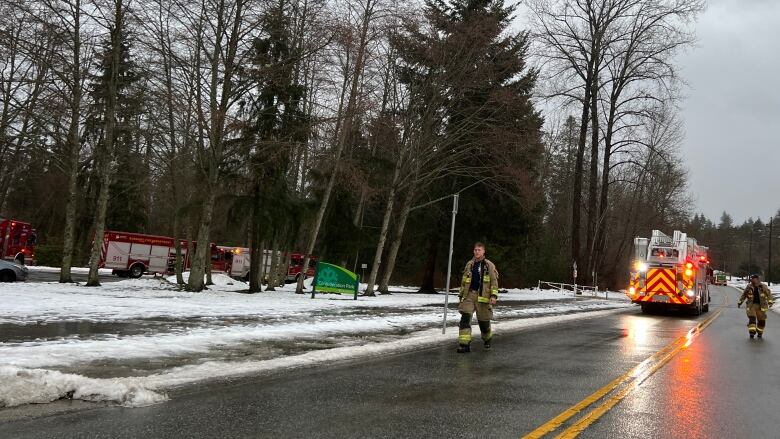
667	351
557	421
592	416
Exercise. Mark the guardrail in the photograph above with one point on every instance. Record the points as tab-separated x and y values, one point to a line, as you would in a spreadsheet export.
576	289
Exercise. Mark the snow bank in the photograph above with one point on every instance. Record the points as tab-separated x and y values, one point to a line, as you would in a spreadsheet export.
24	386
34	386
201	332
147	298
80	270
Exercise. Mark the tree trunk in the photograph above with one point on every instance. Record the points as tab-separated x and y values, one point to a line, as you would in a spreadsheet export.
604	201
384	284
74	153
202	258
272	276
209	281
380	247
177	264
255	262
429	271
593	179
165	49
256	251
576	213
106	158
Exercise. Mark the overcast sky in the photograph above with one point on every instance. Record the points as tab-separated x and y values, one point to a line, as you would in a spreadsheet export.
732	111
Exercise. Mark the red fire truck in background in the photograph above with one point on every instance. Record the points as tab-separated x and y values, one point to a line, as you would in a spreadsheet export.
17	241
235	261
133	254
296	267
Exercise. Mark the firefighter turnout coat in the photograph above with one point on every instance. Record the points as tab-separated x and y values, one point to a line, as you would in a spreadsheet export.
764	293
479	299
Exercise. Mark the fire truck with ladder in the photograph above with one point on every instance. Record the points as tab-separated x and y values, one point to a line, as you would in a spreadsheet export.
670	272
17	241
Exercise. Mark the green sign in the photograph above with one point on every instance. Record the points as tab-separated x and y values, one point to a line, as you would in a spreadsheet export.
334	279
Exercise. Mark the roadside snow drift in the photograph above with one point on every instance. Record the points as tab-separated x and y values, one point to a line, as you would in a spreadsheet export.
25	386
128	342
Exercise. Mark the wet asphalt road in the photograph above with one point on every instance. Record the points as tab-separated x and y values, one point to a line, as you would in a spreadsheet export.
708	390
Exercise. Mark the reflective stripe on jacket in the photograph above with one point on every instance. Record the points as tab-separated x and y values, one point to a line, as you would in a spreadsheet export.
489	284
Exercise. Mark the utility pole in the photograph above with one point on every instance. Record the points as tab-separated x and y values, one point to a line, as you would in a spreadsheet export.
750	251
769	265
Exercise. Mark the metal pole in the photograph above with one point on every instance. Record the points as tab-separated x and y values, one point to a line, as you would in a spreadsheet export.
750	252
449	263
769	265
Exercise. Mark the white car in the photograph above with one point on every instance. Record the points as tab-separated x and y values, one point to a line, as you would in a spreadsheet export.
12	272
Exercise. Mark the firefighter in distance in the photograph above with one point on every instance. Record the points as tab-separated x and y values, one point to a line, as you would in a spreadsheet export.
759	300
478	292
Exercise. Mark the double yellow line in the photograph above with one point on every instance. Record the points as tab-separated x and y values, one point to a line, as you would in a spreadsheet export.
630	381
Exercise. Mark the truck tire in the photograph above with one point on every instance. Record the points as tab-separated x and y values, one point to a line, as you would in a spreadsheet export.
706	308
696	309
7	276
136	271
646	308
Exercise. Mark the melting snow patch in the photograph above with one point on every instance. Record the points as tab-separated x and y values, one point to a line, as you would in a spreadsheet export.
34	386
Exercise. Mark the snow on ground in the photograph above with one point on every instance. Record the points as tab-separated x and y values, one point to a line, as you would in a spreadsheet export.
81	270
128	341
23	386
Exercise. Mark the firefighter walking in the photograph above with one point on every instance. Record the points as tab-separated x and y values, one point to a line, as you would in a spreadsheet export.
478	292
759	300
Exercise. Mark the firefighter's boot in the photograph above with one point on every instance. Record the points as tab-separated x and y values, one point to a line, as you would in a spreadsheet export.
752	329
464	333
487	333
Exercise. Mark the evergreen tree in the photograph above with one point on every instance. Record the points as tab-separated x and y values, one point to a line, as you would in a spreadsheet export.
469	82
277	125
127	206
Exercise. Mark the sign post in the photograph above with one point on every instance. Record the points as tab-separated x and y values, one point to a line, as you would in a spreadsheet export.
331	278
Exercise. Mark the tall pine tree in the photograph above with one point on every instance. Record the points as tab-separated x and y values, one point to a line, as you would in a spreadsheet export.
466	63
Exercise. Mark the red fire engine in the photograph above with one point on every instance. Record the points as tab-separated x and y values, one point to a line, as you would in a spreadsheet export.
235	261
133	254
17	241
670	272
